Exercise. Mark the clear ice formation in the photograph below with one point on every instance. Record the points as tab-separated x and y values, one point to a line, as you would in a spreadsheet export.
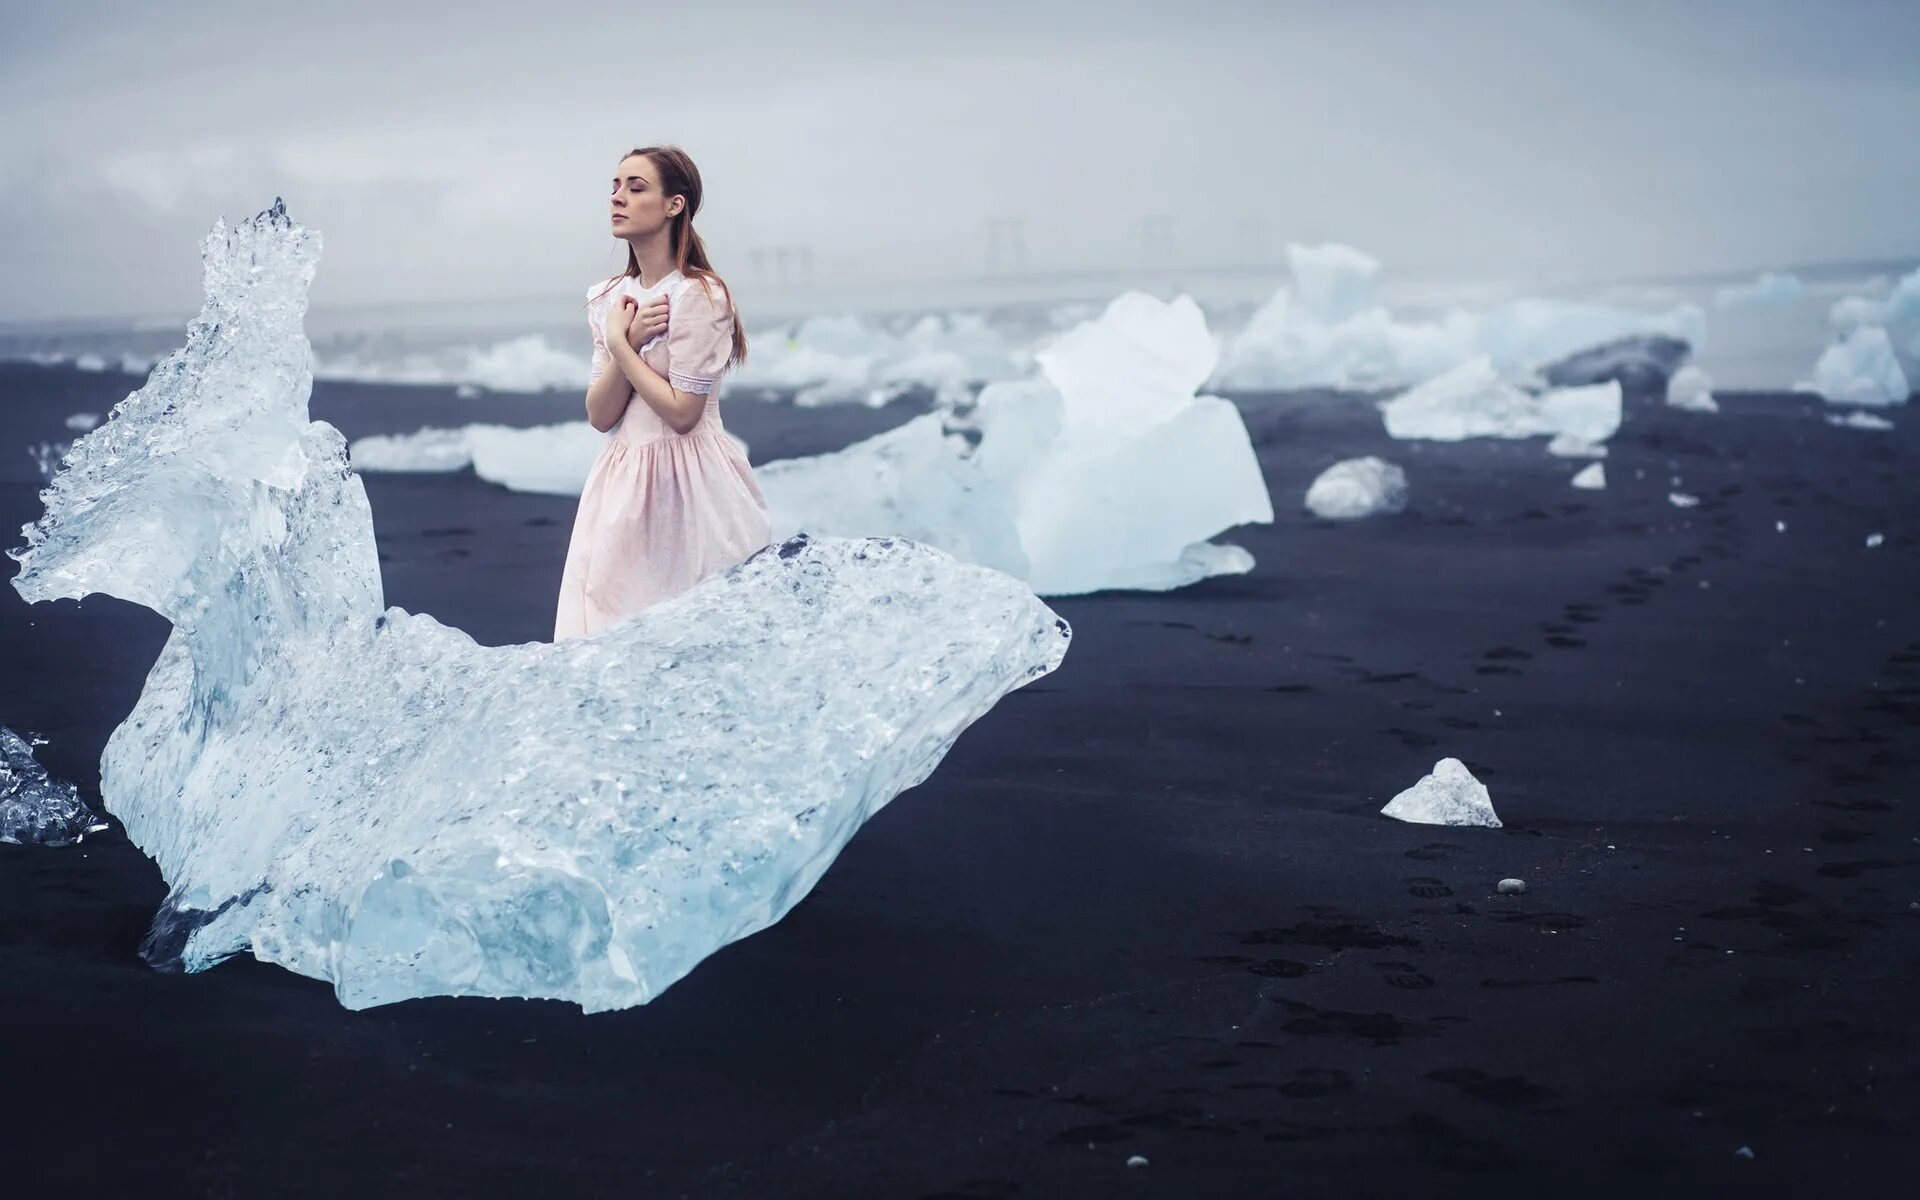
1107	472
1329	330
35	809
368	797
550	460
1592	477
1358	487
1449	795
1472	401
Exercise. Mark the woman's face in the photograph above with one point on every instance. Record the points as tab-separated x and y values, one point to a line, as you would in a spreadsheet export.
639	208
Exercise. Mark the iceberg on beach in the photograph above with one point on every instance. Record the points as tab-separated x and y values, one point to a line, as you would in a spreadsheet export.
1473	401
1328	330
366	796
1107	472
1859	369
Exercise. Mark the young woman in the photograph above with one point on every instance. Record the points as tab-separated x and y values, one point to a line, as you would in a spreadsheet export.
671	498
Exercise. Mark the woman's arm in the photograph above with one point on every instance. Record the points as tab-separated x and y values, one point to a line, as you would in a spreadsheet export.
607	399
680	410
611	391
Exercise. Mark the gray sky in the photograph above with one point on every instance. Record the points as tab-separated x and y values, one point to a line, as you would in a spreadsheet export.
464	150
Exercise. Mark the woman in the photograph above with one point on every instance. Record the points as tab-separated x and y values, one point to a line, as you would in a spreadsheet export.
671	498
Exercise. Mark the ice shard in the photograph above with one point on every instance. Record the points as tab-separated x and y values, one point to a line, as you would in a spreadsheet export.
367	796
1108	472
36	809
1447	795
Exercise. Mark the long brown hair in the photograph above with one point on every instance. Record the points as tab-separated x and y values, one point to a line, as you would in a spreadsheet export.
679	177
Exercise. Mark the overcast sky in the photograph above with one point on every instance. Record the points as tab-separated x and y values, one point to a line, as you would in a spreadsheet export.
464	150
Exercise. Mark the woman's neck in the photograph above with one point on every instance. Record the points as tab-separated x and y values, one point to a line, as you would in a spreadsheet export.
655	256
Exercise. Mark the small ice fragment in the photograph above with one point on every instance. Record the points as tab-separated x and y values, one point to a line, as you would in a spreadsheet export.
1449	795
1593	476
1860	419
1511	887
1874	539
1137	1160
35	809
1682	500
1691	388
1358	487
1566	445
1744	1152
80	422
1779	526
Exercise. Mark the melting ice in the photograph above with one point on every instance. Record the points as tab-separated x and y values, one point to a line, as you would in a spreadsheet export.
366	796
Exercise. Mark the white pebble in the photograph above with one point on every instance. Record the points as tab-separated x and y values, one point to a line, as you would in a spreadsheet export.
1511	887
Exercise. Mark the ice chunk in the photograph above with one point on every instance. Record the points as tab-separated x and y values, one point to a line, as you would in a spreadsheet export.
1358	487
1691	388
1328	330
1592	477
36	809
1682	500
1449	795
1859	419
80	422
369	797
1768	290
1874	539
1859	369
1108	472
1472	401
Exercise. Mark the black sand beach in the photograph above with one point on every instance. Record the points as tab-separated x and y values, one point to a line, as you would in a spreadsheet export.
1147	905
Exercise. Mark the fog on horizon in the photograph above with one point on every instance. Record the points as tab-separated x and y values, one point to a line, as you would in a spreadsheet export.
464	152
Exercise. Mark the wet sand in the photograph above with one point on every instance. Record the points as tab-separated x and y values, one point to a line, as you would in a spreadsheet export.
1146	906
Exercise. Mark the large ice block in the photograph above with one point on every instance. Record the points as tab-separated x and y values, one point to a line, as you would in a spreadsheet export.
1108	472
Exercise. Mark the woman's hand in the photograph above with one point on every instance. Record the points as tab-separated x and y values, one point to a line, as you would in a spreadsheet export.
649	321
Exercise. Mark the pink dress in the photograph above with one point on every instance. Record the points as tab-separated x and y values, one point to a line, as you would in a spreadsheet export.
661	510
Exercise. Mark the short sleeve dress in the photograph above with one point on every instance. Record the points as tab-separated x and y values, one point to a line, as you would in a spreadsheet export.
661	510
